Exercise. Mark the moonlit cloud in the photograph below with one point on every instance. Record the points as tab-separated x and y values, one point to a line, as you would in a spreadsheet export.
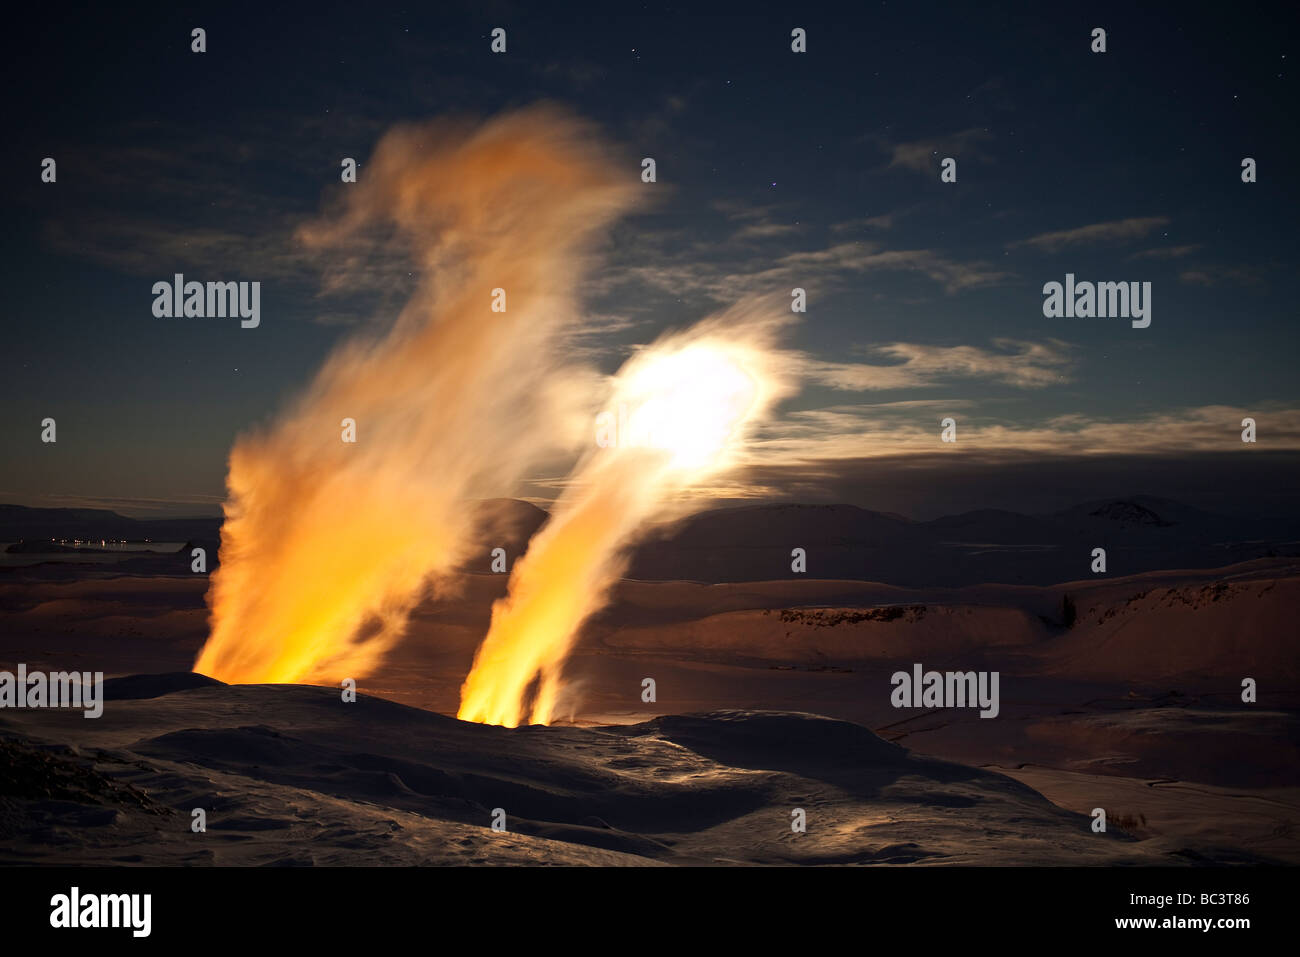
924	155
1167	252
1119	230
1222	275
868	431
1028	365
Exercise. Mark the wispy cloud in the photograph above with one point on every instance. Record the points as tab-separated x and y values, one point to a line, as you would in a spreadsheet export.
758	222
181	505
764	230
924	155
194	207
155	248
596	336
1167	252
1119	230
953	275
885	221
671	268
1223	275
1026	365
873	430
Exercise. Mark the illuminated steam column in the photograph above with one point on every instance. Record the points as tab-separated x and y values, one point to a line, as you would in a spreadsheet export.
685	406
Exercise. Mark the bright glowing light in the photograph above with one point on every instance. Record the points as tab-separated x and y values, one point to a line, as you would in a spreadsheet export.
688	403
691	398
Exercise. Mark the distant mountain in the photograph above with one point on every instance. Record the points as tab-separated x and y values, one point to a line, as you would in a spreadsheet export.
20	523
1139	510
758	525
754	543
503	522
994	526
1139	533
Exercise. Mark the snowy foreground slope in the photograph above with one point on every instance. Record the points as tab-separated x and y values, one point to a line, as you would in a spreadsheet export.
292	775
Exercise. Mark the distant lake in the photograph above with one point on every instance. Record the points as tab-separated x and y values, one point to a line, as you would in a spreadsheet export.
88	553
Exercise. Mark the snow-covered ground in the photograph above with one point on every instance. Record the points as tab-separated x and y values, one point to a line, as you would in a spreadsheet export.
292	774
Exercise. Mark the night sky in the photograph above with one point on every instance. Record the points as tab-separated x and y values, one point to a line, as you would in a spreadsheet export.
775	170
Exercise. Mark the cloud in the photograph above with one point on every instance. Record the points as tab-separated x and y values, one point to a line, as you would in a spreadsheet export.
953	275
760	222
885	221
764	230
926	485
129	506
1026	365
196	207
1222	275
677	270
873	430
595	337
1118	230
1167	252
924	155
156	249
743	211
579	74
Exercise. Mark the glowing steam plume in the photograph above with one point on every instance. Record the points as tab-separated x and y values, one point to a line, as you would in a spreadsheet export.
690	400
326	545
